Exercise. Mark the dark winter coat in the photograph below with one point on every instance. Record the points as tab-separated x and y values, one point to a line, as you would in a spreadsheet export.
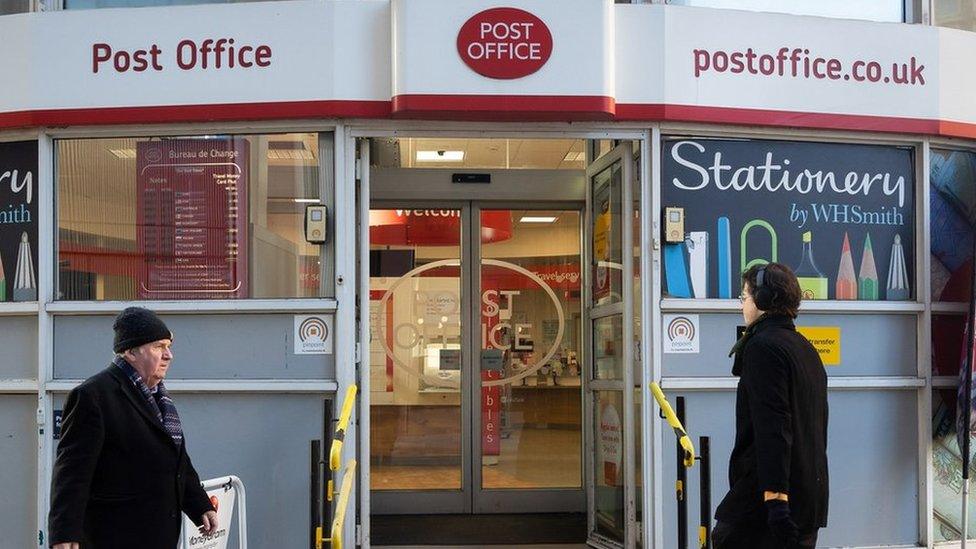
781	427
119	479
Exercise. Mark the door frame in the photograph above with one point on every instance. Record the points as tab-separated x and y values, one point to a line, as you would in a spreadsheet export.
623	154
350	162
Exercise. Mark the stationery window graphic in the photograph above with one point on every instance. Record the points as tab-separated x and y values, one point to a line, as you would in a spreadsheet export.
18	221
841	216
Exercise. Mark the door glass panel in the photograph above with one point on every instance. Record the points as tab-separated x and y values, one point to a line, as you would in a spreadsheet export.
415	349
607	347
607	251
530	349
608	474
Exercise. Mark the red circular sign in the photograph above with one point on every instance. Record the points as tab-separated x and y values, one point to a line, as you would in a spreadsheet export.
504	43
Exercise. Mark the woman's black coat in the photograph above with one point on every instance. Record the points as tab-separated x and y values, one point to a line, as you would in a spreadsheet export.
780	427
119	480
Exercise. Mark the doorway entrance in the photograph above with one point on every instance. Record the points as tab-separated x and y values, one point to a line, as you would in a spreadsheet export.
499	358
478	318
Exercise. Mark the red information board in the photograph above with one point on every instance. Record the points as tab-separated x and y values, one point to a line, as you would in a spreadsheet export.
192	218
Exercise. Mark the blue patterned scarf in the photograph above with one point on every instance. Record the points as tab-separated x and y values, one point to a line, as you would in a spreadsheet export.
162	405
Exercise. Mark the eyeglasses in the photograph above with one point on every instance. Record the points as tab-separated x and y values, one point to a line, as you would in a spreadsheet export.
743	297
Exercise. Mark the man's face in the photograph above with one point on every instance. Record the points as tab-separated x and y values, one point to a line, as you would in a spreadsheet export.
749	310
151	360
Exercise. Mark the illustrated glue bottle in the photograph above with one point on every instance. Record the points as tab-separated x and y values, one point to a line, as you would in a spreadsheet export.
813	283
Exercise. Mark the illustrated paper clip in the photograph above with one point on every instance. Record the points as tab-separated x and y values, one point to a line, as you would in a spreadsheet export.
697	243
724	259
743	263
25	285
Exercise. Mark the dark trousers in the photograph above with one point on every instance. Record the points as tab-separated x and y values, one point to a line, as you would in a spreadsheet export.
755	535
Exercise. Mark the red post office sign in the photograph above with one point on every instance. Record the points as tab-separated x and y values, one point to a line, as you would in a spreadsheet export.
504	43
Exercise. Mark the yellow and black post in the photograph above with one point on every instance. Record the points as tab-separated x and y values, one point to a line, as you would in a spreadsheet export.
685	457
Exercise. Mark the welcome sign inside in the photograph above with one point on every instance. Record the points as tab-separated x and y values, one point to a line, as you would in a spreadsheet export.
841	216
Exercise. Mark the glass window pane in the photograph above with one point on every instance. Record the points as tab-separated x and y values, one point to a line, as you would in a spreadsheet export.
608	473
457	153
608	348
892	11
18	221
207	217
607	260
953	205
415	349
531	411
958	14
8	7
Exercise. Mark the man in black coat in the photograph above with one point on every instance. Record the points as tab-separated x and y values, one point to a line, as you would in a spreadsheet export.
122	475
778	468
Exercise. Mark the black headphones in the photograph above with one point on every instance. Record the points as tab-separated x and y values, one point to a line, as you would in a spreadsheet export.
762	295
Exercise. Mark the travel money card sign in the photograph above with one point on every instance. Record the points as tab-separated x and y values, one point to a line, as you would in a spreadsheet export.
840	215
18	221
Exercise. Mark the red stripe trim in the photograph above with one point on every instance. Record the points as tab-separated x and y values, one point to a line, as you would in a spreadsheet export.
766	117
504	107
480	107
196	113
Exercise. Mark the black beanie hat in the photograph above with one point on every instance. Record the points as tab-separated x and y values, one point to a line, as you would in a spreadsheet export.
137	326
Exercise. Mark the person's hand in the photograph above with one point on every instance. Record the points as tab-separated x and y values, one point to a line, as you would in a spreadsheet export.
209	523
780	522
67	545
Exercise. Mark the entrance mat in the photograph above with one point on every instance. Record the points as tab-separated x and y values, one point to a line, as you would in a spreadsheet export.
509	529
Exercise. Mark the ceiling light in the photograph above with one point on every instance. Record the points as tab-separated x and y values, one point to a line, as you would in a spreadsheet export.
572	156
537	219
440	156
306	200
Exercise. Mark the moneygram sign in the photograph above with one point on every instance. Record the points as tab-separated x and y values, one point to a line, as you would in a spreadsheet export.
504	43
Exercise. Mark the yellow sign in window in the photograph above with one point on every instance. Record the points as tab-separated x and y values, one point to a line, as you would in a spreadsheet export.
827	341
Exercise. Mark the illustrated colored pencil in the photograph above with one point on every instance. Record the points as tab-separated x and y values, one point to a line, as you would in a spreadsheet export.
3	282
846	287
897	289
867	284
25	284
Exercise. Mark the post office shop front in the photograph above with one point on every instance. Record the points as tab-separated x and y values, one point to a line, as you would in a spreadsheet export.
500	223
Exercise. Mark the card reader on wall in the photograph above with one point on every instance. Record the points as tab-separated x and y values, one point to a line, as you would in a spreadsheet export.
316	223
674	225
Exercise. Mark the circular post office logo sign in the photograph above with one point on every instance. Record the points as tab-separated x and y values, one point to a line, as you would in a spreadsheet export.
504	43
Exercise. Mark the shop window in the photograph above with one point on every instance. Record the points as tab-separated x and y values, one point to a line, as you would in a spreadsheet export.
18	221
892	11
841	216
952	199
8	7
956	14
205	217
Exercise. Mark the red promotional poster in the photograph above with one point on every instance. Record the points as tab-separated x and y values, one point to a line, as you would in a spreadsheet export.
192	218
